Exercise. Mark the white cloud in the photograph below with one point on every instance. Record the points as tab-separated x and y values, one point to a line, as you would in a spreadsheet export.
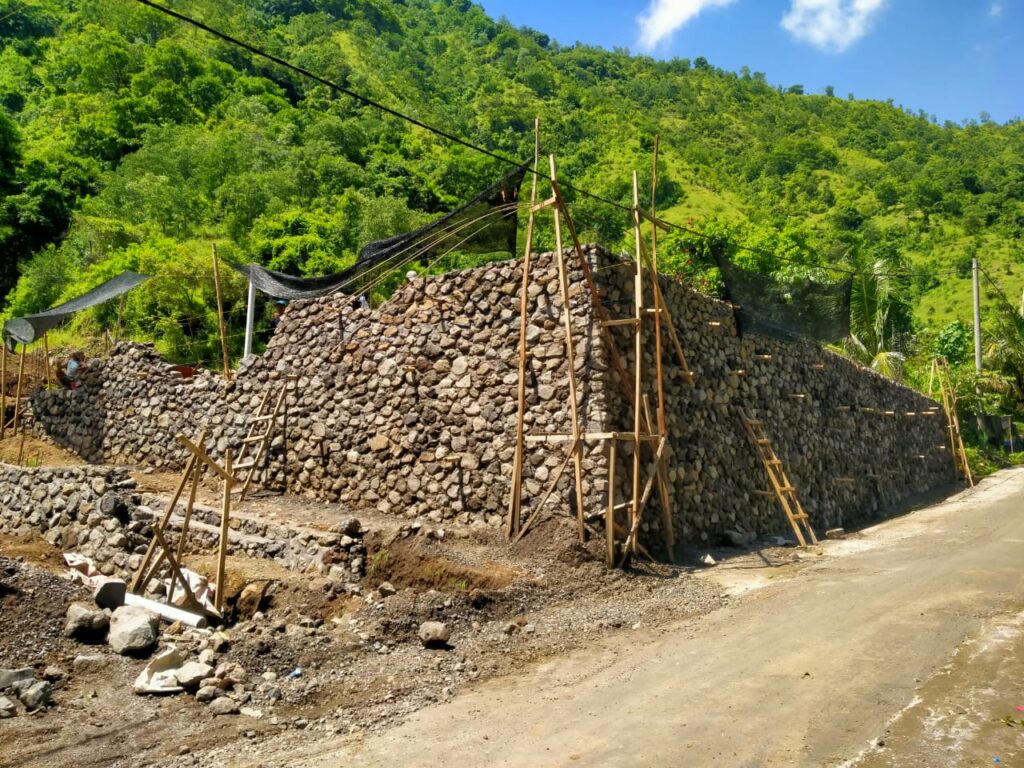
996	9
832	25
663	17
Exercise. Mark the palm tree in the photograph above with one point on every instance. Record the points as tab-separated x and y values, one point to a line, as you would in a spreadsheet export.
879	318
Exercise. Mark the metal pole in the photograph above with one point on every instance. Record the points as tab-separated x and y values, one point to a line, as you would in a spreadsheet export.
977	316
250	316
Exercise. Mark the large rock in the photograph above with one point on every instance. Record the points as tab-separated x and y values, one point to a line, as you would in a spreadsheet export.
86	623
8	677
434	634
37	695
225	705
7	708
191	673
133	630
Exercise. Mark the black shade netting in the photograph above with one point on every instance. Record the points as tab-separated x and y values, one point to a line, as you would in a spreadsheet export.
485	224
790	309
25	330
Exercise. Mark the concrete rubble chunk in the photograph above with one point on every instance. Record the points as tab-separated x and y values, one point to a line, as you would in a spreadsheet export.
159	675
434	634
132	630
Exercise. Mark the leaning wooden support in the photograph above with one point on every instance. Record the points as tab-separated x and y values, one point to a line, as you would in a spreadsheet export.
139	583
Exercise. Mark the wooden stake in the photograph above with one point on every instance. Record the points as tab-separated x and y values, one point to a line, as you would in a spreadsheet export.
3	389
516	491
570	354
220	315
609	518
222	552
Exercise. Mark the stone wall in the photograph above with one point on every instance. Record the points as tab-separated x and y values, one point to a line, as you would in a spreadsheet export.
410	409
830	422
95	511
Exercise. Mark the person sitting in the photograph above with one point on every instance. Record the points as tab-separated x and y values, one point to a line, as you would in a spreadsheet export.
70	368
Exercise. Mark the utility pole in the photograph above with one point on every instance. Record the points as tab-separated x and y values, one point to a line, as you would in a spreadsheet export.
977	317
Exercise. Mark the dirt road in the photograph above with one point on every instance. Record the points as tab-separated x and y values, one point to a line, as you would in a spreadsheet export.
812	669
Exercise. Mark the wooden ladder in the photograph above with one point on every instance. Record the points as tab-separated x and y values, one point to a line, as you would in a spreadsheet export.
784	490
940	372
255	444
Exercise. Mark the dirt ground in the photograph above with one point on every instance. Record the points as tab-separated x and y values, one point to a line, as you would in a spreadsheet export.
363	668
899	646
35	452
554	659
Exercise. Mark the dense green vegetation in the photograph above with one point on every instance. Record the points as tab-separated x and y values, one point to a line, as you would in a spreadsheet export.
131	141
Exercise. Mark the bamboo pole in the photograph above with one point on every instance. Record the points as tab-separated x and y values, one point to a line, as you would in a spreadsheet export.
609	520
46	359
222	551
638	290
220	315
3	389
570	353
17	391
183	536
516	494
139	584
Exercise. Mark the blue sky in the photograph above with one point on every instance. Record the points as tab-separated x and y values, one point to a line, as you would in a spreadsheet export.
951	58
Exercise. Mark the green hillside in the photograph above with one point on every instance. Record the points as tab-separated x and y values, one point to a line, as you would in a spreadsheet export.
130	140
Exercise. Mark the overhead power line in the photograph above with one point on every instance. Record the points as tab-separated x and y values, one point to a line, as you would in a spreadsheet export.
367	101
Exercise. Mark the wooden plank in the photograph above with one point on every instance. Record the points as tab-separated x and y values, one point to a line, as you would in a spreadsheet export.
201	454
563	438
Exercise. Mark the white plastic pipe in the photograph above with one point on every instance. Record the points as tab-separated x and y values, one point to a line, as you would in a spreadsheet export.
164	611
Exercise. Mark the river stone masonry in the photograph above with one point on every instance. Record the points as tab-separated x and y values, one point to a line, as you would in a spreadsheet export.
409	409
96	511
